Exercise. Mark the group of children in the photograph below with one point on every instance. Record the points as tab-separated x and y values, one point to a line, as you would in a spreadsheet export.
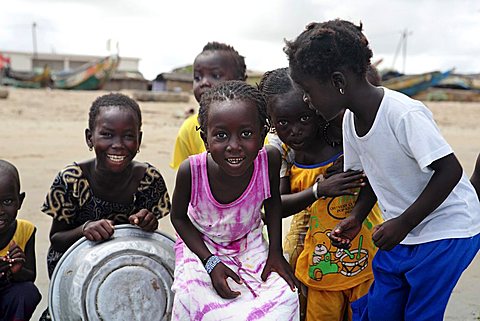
384	219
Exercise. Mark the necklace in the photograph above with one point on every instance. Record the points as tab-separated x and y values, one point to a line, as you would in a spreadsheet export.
329	141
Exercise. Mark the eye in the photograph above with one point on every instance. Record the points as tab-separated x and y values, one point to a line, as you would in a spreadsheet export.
217	76
282	123
7	202
304	118
220	135
196	77
105	134
247	133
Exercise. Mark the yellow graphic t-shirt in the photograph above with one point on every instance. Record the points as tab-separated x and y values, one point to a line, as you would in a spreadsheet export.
321	265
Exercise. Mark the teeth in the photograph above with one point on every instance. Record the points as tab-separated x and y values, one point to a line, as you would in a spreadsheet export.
234	160
116	158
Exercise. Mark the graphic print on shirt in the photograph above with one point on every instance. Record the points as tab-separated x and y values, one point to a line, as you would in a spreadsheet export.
328	259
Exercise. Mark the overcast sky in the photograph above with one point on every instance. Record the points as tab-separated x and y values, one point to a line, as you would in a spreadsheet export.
443	34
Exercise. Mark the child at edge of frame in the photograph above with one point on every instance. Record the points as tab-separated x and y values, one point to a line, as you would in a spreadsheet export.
18	294
431	231
216	212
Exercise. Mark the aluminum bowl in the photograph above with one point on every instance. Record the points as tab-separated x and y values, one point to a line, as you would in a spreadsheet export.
127	277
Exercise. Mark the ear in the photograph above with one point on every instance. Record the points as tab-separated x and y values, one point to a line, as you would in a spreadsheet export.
21	197
88	138
338	80
204	138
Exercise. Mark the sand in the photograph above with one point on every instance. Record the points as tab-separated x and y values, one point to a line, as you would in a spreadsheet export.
41	131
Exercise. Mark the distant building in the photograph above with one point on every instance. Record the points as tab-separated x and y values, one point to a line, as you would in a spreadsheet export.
173	81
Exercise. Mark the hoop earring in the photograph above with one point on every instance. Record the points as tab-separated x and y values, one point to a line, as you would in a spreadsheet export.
138	150
90	148
342	91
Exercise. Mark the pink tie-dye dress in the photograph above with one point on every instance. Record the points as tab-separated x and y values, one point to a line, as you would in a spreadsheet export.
233	232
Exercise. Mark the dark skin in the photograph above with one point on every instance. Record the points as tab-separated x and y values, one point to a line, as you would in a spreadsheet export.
363	100
21	264
475	179
299	128
231	134
113	176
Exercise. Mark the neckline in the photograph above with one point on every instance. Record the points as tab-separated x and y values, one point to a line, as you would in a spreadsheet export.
328	161
204	171
375	121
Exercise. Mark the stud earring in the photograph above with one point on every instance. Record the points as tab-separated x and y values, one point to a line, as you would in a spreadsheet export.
342	91
138	150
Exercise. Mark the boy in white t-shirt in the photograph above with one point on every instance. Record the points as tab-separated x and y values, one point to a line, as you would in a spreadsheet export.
432	214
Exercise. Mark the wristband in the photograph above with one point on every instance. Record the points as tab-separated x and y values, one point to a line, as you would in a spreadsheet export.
315	190
84	226
211	263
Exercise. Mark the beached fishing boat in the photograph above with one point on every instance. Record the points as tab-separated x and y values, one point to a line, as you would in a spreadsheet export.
414	84
90	76
449	94
37	79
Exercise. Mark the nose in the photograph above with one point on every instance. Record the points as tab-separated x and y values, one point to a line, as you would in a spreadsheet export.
296	130
205	82
233	144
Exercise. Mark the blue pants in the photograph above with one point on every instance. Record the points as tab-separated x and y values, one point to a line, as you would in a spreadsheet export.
414	282
18	301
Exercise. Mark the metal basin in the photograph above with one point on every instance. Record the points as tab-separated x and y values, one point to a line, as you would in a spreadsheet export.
127	277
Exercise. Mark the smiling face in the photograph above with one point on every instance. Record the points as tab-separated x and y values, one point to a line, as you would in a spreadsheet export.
210	68
10	199
296	124
116	138
234	135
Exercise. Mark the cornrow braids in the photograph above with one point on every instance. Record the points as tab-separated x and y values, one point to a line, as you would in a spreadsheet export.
328	46
229	91
113	100
238	60
276	82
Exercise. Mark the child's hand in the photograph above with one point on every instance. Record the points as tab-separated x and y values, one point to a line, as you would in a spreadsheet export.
4	265
98	230
277	263
16	257
145	220
341	184
219	276
336	168
390	233
345	231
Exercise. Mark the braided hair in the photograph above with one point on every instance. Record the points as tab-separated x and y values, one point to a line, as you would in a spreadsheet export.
113	100
328	46
240	68
229	91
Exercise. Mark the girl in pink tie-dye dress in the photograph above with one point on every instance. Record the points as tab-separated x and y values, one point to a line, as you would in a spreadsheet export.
225	269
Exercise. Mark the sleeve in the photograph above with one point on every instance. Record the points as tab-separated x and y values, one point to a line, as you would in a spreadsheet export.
153	193
186	143
350	156
420	138
62	199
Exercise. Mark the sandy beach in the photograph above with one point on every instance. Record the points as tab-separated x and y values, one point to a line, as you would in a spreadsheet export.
41	131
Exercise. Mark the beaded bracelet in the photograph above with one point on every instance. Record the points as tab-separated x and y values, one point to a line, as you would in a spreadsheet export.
211	263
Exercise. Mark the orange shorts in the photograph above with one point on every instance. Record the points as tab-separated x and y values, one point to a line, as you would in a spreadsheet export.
334	305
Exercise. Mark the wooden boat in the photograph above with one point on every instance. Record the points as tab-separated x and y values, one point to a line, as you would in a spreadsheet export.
414	84
36	79
449	94
90	76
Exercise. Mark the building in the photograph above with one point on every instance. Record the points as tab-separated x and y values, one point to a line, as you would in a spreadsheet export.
173	81
27	61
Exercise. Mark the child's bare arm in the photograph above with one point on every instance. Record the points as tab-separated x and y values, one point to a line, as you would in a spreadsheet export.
447	173
62	236
475	179
342	183
348	228
192	237
273	210
23	266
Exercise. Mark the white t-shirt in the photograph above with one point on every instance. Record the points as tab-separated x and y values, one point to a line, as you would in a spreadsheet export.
395	154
